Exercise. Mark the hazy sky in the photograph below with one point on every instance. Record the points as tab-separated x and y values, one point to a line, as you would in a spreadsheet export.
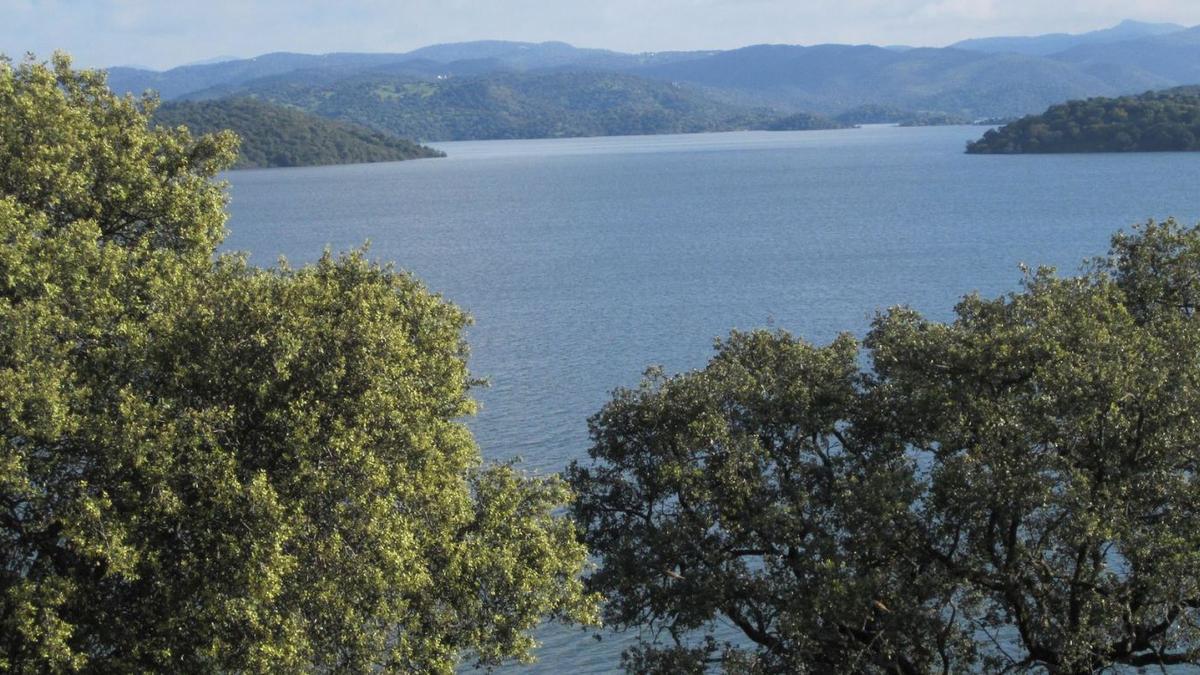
163	33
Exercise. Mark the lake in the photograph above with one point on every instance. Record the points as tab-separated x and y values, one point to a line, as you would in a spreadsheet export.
585	260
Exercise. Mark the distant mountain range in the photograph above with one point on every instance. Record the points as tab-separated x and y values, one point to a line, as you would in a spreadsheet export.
497	89
1053	43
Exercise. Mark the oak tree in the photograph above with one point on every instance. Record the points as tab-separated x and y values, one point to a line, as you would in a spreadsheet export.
1013	490
210	467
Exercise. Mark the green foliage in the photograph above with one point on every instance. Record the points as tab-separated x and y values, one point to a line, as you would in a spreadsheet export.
274	135
1015	489
1152	122
739	491
210	467
72	152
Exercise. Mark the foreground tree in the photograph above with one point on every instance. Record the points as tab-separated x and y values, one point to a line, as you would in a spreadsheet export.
212	467
743	492
1026	475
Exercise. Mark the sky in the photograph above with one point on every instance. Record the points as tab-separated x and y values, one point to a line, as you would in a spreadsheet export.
165	33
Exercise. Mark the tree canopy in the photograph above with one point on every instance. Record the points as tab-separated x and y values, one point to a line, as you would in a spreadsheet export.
207	466
1015	490
1152	122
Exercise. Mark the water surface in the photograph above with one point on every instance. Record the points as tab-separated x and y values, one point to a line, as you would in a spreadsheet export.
585	260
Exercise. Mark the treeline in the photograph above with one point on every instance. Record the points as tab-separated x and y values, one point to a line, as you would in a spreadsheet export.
275	135
1152	122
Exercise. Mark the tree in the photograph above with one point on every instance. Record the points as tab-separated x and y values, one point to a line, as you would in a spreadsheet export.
1062	436
208	466
1026	475
743	492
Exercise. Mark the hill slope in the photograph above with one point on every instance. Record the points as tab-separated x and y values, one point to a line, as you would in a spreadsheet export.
274	135
1152	122
1052	43
1174	57
479	57
835	78
177	82
494	89
544	104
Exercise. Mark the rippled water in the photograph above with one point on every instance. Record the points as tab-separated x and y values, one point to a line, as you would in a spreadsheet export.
585	260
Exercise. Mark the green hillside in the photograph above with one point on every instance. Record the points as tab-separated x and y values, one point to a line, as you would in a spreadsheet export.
884	114
1152	122
276	135
511	105
488	89
803	122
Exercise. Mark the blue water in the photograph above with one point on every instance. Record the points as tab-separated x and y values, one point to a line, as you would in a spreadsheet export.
585	260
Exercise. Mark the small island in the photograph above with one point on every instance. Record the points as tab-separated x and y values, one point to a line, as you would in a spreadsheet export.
275	135
1164	121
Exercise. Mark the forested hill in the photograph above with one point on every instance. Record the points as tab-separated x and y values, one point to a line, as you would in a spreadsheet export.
276	135
446	91
543	104
1152	122
885	114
